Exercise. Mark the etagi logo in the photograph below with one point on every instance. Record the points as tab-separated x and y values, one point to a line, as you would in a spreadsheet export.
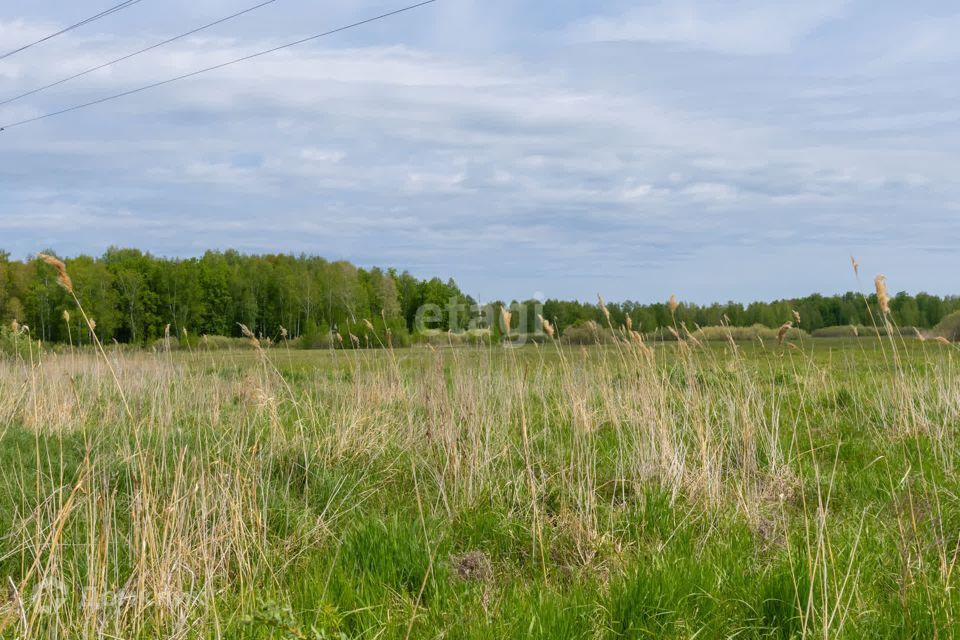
516	324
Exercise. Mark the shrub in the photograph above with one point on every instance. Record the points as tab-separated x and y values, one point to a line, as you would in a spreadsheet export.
11	343
859	331
949	327
588	332
743	334
223	343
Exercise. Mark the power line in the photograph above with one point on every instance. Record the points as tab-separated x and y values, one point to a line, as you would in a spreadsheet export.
102	14
135	53
218	66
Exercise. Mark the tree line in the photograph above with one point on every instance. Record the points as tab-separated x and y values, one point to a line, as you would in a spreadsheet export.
135	297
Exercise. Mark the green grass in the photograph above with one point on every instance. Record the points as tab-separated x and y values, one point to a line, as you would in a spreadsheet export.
700	491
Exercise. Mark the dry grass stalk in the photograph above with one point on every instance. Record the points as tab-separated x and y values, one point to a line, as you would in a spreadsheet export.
506	317
66	316
883	298
920	336
856	266
943	340
283	332
603	307
672	304
245	330
546	325
782	333
63	278
796	317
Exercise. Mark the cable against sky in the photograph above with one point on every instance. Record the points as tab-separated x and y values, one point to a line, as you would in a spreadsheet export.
93	18
217	66
135	53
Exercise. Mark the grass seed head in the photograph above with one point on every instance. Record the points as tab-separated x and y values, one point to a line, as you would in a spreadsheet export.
782	333
245	330
943	340
546	325
63	278
603	307
882	296
672	304
506	316
796	317
855	265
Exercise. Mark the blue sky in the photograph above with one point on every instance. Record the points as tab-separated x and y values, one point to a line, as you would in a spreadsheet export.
719	150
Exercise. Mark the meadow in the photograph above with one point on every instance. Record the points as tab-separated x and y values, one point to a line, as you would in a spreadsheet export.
676	490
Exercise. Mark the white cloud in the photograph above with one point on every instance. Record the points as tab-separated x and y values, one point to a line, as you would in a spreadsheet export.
741	27
438	160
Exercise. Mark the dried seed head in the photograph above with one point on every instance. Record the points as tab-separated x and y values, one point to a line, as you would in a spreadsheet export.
66	316
355	341
505	316
796	316
629	323
674	332
283	332
672	304
943	340
91	324
15	326
339	338
603	307
882	296
546	325
920	336
782	333
63	278
369	324
856	332
184	331
166	332
855	265
245	330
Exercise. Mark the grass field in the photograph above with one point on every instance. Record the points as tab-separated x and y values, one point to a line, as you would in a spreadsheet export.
678	491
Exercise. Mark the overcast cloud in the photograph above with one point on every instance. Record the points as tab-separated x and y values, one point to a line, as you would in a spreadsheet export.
719	150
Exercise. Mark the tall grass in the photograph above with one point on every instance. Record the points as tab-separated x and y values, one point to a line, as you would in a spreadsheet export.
687	489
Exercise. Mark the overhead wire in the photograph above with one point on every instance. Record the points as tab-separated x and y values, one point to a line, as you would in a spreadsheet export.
135	53
215	67
85	21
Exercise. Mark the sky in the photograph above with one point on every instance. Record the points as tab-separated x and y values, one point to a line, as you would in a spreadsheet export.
734	150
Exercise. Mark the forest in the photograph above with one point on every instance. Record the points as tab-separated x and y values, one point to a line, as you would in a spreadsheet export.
135	297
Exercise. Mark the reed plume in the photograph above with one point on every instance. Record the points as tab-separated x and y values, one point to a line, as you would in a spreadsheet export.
546	325
245	330
672	304
603	307
63	278
882	296
782	333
